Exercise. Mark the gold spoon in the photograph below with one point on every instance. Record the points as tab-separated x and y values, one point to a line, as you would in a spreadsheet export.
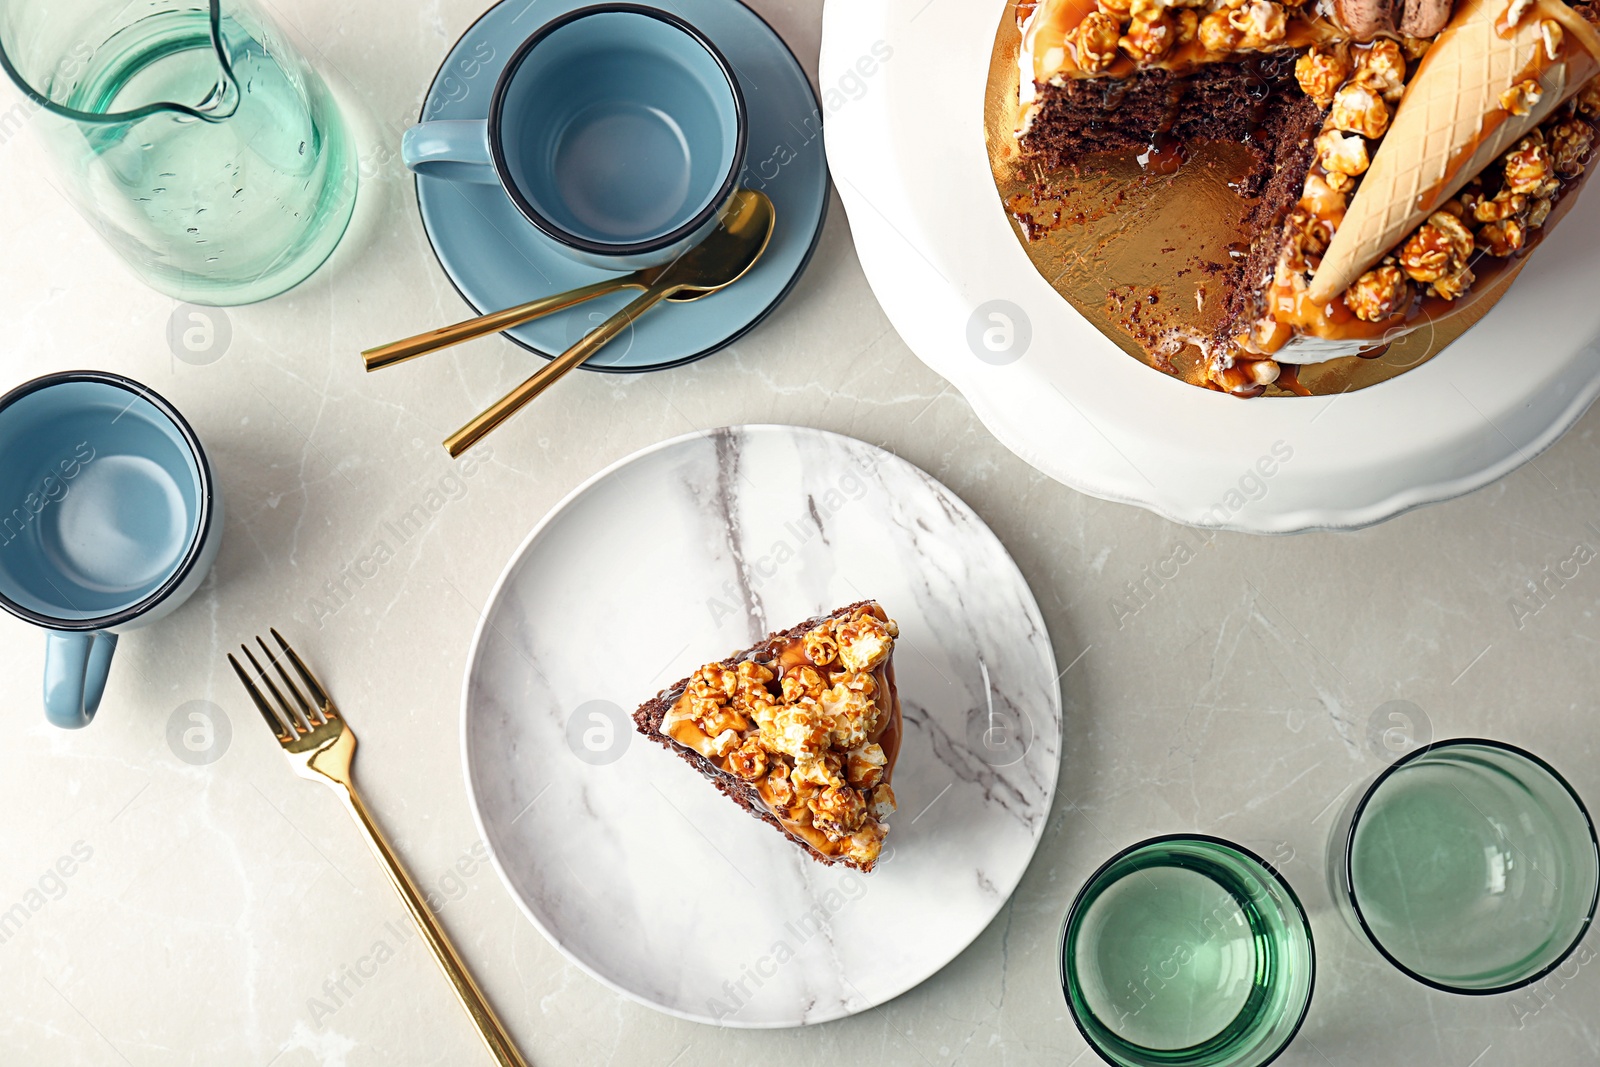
494	322
715	263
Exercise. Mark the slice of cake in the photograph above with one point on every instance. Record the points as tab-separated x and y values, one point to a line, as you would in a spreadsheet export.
1409	152
801	731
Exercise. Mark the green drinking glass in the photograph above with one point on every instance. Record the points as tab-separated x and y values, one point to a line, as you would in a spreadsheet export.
1187	951
199	143
1471	865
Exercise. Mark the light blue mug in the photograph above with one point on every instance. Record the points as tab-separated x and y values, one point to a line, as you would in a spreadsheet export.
109	519
618	130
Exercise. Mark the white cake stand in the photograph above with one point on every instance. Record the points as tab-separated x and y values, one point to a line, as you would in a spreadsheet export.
903	83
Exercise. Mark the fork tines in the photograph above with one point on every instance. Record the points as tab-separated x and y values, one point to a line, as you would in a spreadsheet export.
286	721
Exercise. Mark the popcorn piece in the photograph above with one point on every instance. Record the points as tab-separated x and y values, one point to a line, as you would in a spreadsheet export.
798	730
1551	35
749	760
802	681
1218	34
1095	40
850	707
1437	253
811	776
1453	286
1539	212
1119	10
1146	9
883	802
1415	47
1342	153
1320	71
1522	97
1503	238
1148	39
1260	23
714	681
781	786
1516	11
1588	98
864	642
1570	142
1358	109
865	845
1383	68
1322	201
1186	24
820	647
714	718
1503	205
752	675
1529	168
864	766
837	811
1378	293
1312	234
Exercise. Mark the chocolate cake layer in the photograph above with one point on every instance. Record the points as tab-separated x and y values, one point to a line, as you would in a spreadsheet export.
1288	136
1218	102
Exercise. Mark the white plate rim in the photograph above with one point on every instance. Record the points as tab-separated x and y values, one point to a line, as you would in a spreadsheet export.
1004	897
1448	450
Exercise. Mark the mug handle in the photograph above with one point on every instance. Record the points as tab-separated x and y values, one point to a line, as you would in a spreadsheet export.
454	149
75	669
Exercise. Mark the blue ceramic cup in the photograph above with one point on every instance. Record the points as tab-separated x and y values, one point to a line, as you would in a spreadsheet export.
618	130
109	519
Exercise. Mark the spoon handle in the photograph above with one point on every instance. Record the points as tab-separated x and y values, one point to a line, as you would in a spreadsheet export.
512	402
445	336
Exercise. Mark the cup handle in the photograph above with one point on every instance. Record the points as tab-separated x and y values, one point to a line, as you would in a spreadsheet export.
454	149
75	669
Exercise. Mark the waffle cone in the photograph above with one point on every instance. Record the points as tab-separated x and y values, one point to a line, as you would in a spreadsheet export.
1450	126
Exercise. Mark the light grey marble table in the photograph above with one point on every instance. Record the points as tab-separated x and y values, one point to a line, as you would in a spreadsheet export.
227	912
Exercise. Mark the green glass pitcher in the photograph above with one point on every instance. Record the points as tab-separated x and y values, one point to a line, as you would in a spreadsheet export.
202	146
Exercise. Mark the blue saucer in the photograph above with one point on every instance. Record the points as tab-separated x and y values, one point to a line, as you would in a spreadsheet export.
497	259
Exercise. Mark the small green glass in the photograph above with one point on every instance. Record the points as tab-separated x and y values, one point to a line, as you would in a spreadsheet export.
1187	951
196	140
1471	865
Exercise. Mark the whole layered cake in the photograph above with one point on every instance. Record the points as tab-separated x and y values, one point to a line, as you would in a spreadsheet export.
1407	152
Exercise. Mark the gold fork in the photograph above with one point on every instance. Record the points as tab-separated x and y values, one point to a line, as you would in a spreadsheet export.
320	747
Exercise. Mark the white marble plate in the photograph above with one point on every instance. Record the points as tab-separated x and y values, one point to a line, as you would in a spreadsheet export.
634	865
904	82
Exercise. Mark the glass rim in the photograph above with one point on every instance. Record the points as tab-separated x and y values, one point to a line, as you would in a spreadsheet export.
144	111
1348	872
1204	839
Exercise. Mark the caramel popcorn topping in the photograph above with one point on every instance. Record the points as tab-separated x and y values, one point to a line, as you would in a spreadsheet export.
813	724
1496	216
